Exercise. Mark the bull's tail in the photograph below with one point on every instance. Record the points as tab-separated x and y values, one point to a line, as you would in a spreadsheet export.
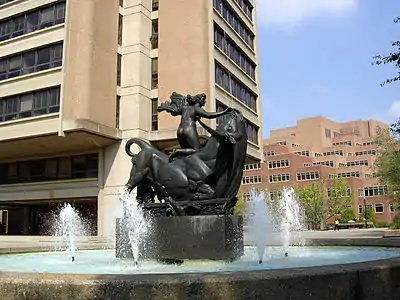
141	143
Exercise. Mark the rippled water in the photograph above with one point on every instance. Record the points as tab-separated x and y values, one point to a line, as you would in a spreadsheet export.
104	261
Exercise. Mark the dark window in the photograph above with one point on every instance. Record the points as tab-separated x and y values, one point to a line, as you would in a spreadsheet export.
154	34
154	114
120	26
5	1
52	169
252	132
34	20
234	20
121	3
119	63
30	104
235	87
154	5
30	62
154	73
118	100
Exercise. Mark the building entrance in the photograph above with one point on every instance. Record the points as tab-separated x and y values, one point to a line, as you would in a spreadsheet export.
39	217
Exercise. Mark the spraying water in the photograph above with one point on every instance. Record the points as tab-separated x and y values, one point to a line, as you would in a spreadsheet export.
134	223
291	220
260	221
69	226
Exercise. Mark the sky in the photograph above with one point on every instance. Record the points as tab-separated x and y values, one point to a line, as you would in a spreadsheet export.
315	59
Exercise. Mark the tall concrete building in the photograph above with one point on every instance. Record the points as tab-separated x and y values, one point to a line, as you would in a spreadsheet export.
320	149
78	78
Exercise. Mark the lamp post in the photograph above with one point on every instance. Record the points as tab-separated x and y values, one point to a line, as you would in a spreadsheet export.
365	210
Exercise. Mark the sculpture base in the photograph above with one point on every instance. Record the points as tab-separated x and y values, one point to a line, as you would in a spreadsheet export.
174	239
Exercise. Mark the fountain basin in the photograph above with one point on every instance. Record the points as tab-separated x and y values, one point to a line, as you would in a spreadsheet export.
350	279
215	237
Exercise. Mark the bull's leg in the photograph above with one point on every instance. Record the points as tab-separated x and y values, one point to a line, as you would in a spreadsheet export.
136	177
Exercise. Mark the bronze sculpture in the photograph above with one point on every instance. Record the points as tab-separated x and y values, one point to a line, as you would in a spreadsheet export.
199	179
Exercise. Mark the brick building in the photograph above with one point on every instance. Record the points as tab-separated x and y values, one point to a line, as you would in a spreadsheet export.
319	149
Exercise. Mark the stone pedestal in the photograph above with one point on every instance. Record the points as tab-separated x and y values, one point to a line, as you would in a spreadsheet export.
214	237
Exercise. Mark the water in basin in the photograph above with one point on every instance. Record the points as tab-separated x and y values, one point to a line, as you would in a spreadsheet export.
104	261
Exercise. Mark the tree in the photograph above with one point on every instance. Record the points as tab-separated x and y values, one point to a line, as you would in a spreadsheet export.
391	58
339	198
387	164
240	206
312	200
347	215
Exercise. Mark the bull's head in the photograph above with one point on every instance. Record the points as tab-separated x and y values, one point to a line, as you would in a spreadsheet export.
233	127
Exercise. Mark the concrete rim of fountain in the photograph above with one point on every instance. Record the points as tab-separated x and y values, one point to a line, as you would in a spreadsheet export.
363	280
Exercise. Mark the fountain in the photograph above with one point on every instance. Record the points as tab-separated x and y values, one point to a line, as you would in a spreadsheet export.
135	225
68	225
185	241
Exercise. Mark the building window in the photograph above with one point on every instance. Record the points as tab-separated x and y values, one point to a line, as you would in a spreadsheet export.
120	26
391	208
247	8
252	132
303	153
366	152
251	179
256	166
375	191
360	209
235	87
5	1
269	153
154	73
154	34
323	163
379	208
335	193
119	66
246	196
117	109
336	152
275	195
278	164
52	169
235	21
223	42
31	21
307	176
154	114
30	62
345	175
31	104
154	5
357	163
121	3
328	133
279	178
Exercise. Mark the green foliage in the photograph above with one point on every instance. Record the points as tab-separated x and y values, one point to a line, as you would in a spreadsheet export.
392	57
370	215
382	225
311	198
339	199
347	215
395	224
387	164
240	206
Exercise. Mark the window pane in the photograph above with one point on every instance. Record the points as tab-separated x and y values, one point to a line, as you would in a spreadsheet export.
26	102
78	166
64	168
46	17
51	169
28	63
43	59
32	21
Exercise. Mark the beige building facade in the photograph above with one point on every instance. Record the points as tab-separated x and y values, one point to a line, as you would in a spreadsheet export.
319	149
78	78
